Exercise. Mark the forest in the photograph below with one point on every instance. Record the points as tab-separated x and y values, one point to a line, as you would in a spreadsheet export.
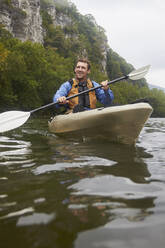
30	73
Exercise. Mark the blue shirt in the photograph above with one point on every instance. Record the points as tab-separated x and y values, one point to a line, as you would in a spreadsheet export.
104	97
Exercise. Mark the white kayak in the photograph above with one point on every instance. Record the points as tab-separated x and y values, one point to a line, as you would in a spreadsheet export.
121	124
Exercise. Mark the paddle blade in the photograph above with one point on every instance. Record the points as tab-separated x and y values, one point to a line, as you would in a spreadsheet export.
12	119
140	73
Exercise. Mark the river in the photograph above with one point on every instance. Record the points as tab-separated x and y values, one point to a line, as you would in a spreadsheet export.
57	193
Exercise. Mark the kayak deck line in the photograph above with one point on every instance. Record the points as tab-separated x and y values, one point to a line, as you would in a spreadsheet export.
121	124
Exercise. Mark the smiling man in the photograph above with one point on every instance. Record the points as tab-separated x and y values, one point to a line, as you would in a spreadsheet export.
80	83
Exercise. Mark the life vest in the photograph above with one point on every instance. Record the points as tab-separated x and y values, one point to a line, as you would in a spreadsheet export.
75	90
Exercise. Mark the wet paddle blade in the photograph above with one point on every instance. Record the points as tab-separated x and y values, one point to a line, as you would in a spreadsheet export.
140	73
12	119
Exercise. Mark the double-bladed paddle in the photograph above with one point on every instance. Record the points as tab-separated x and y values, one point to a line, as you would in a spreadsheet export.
12	119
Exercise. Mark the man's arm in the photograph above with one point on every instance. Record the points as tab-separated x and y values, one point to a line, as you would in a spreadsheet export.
104	94
62	93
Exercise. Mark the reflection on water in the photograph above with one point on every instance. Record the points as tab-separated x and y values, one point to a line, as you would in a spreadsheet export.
62	193
116	187
78	163
14	151
35	219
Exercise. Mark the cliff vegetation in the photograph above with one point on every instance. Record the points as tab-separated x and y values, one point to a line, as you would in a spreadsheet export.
31	72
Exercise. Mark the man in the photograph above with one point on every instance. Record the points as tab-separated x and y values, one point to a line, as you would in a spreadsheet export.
80	83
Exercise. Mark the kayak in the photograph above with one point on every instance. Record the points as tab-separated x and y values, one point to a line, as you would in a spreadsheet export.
121	124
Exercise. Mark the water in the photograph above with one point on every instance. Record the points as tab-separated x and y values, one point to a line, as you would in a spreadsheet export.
62	193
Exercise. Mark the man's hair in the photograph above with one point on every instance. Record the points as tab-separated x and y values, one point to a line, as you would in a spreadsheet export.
84	60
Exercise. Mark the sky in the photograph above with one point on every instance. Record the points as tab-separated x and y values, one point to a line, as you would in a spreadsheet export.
135	30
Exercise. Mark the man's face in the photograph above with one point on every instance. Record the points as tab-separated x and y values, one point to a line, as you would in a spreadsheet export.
81	71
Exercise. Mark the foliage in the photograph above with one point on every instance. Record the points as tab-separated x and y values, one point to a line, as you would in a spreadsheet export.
126	93
8	2
30	74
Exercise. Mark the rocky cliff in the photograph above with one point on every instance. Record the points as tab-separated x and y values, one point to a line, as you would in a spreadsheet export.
23	18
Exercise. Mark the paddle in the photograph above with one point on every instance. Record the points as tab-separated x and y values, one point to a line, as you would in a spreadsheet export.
12	119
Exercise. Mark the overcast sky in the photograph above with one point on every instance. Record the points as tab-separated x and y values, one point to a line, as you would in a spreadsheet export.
135	30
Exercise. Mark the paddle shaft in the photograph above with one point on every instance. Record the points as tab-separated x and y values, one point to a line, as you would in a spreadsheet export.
78	94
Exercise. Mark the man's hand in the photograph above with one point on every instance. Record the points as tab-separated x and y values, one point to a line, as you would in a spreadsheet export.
105	85
62	100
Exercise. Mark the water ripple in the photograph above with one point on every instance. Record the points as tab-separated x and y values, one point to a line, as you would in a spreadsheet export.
35	219
18	213
14	151
115	187
79	162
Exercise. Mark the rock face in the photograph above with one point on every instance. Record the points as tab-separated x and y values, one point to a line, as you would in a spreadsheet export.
22	18
59	19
